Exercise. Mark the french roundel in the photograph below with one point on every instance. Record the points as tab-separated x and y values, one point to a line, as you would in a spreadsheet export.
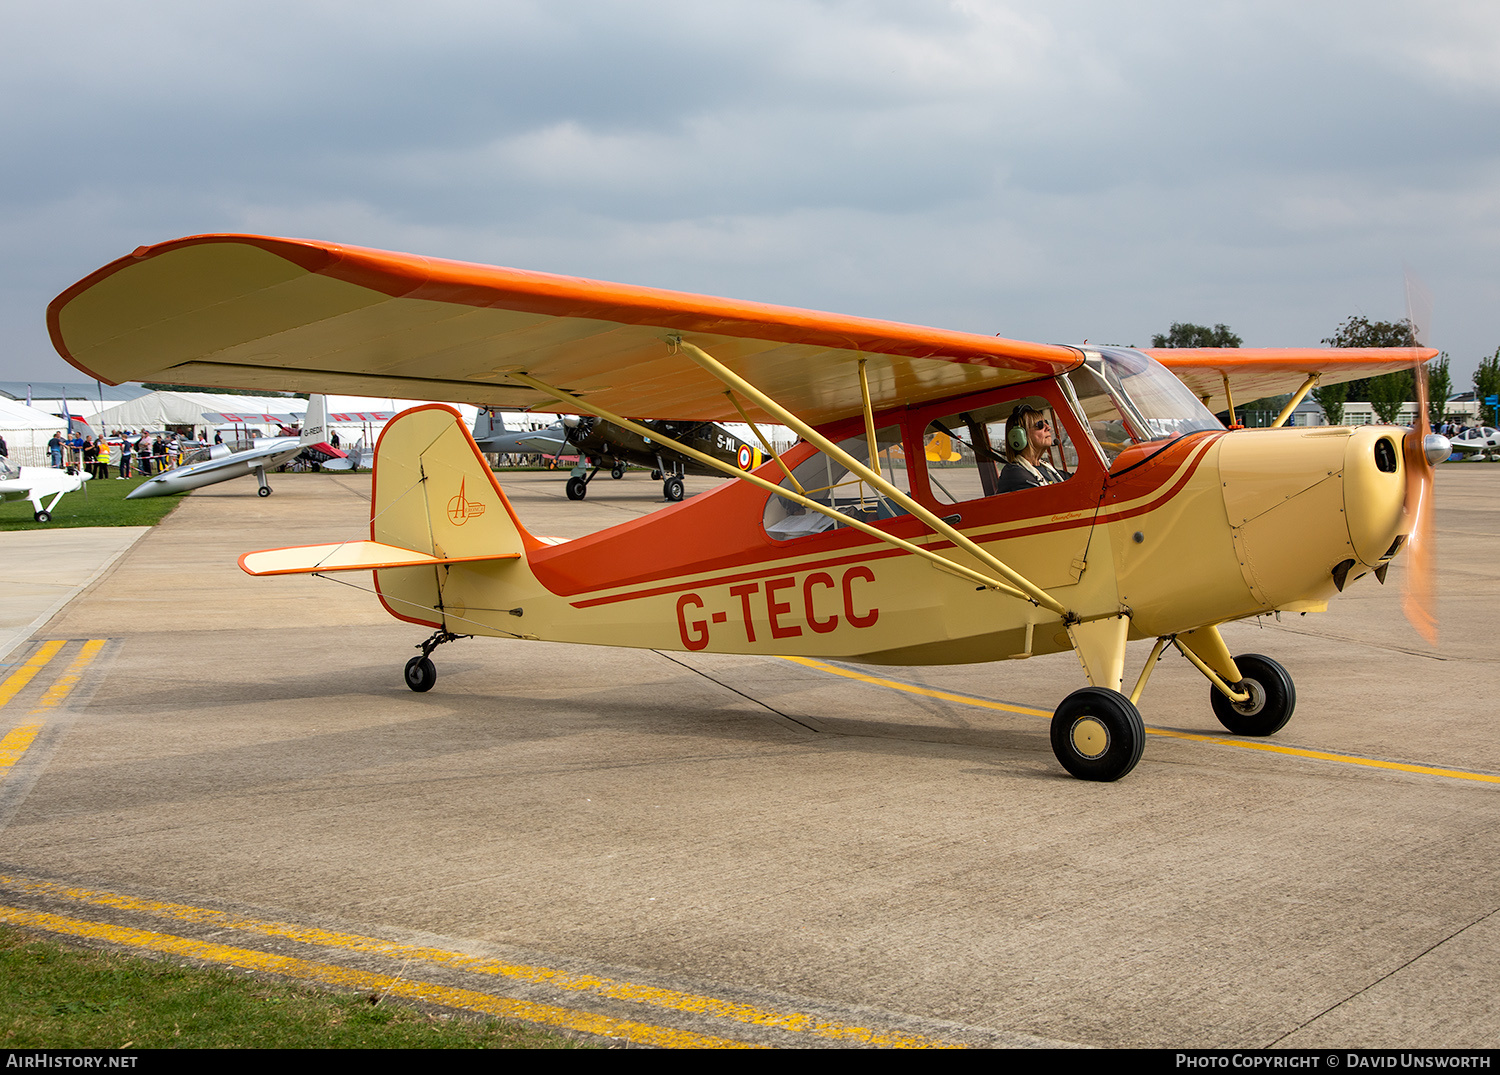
745	457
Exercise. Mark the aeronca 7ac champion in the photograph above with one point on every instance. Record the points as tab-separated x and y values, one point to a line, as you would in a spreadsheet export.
1082	496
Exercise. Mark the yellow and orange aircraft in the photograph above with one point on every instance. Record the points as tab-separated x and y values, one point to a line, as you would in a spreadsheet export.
1094	498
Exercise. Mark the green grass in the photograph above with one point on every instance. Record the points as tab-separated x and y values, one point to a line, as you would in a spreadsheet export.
53	997
100	502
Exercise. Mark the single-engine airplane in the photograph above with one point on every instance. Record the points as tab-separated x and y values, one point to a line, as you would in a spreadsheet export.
223	463
35	483
492	435
1478	440
597	443
1095	499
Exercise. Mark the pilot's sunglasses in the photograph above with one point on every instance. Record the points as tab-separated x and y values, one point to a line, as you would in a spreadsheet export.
1040	423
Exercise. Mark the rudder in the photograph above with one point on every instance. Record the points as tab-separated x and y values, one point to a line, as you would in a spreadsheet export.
433	492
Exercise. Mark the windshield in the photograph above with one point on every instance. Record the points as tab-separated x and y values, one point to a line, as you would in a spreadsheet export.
1129	398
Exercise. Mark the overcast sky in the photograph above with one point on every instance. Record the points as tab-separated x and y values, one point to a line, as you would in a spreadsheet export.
1047	171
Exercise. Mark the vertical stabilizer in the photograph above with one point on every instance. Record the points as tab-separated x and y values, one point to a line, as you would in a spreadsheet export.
315	422
434	493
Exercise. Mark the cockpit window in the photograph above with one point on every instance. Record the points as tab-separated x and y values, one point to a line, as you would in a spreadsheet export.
1127	397
967	456
829	482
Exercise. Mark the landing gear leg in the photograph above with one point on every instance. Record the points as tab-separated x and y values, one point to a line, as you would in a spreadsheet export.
1097	733
578	484
421	673
671	488
1251	694
1272	698
265	486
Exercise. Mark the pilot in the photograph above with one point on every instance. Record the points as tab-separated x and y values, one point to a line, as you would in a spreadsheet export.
1028	435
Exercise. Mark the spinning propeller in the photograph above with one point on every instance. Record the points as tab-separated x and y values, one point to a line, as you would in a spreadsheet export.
1422	450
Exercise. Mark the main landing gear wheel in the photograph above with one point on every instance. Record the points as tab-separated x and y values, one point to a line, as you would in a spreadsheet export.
1272	698
264	490
43	516
617	471
577	488
1097	734
672	488
421	674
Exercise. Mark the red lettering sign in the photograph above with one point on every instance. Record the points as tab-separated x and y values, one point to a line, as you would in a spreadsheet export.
858	620
743	593
776	609
818	578
695	634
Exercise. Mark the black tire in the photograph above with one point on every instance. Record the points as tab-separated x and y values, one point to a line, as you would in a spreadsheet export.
1097	734
672	488
577	488
43	516
617	471
264	490
656	475
421	674
1272	698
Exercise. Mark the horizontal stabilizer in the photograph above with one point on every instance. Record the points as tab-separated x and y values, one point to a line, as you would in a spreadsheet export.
347	556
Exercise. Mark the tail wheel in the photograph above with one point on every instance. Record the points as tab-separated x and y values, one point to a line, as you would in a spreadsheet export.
617	471
672	488
421	674
577	488
1097	734
1272	698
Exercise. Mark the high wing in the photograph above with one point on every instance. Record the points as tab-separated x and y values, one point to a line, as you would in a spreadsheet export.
301	315
254	312
1257	372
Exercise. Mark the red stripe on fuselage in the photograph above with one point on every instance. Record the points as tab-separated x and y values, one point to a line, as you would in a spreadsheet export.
872	550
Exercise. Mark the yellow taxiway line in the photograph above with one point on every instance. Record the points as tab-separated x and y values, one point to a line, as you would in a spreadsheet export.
364	981
24	675
1243	744
13	745
649	996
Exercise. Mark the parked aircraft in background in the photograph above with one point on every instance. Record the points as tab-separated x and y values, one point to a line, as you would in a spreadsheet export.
1478	440
598	444
492	435
224	464
35	483
1096	498
652	445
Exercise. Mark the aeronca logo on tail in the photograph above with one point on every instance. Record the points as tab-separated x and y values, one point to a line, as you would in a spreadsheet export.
461	510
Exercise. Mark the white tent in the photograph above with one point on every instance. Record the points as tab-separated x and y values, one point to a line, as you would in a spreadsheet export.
26	431
162	409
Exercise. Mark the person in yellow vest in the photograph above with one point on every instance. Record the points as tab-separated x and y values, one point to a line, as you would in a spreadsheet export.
101	464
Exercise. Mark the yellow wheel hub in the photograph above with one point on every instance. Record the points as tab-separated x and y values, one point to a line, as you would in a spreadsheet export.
1090	737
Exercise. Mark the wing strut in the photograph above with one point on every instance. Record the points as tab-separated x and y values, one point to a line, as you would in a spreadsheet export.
1297	397
1032	592
576	402
764	443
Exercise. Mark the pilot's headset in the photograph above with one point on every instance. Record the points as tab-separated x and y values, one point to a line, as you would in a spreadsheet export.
1017	431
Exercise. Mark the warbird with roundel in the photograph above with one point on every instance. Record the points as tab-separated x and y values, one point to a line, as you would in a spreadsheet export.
1094	498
